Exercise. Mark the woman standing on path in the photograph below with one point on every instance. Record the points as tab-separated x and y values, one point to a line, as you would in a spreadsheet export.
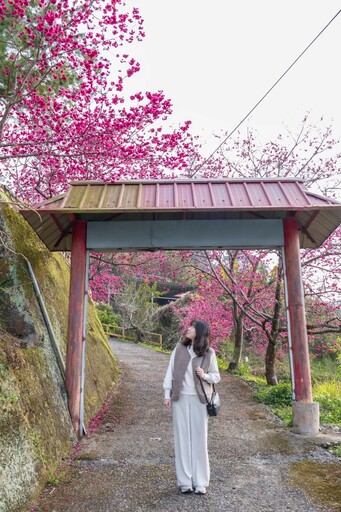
191	360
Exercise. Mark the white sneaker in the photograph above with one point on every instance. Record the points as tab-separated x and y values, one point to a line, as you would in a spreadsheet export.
200	490
186	489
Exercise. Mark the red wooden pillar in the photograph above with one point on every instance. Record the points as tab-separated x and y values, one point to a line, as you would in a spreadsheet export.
297	311
75	321
305	411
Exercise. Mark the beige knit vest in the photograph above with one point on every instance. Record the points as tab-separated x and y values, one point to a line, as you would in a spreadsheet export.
181	360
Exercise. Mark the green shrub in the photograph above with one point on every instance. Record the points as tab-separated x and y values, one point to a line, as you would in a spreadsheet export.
106	314
243	370
276	396
279	399
330	409
285	413
331	388
222	364
328	395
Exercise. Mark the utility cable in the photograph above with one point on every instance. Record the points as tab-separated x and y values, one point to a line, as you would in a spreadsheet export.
265	95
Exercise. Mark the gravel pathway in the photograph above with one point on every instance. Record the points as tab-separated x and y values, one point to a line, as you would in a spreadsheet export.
128	465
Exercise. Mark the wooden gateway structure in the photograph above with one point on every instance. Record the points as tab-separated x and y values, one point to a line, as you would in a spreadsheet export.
191	214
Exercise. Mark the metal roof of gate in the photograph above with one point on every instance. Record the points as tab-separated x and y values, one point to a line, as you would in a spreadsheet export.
221	199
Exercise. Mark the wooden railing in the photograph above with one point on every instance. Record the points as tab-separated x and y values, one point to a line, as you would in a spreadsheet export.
152	338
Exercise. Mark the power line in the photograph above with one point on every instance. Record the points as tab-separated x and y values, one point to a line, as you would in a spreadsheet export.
266	94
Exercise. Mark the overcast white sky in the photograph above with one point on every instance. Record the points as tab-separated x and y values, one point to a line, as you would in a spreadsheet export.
216	59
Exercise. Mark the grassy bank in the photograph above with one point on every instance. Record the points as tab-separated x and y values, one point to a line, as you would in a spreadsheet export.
326	387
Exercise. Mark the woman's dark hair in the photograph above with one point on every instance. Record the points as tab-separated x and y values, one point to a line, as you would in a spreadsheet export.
201	341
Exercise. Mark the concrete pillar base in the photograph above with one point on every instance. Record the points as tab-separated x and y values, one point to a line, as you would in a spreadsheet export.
306	418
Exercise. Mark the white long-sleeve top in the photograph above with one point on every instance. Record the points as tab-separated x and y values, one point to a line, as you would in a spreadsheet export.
188	386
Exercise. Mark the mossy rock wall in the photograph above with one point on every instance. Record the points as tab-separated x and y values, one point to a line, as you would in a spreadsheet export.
35	427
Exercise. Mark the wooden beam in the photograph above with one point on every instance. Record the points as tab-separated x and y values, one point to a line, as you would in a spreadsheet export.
75	321
297	315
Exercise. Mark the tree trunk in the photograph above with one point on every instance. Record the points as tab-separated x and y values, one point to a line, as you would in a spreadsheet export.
270	359
238	344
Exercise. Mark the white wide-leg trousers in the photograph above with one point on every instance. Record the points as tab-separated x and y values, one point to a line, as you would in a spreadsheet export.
190	421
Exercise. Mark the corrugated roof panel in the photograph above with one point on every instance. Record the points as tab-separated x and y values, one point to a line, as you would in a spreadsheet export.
86	196
317	231
185	196
295	195
33	219
48	230
220	197
318	200
130	195
102	198
75	196
111	195
45	225
202	196
240	195
51	204
311	238
51	239
193	194
94	196
148	197
321	225
325	220
166	196
275	194
257	195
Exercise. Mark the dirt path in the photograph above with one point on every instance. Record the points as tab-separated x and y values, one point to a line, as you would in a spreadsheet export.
128	465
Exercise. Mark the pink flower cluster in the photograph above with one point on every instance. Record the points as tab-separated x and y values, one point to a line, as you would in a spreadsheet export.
63	115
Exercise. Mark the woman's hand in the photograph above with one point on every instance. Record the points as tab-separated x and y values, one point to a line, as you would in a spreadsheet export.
167	403
200	372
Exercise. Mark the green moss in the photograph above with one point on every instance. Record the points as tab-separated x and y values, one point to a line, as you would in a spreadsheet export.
98	384
321	481
23	237
36	412
34	431
35	428
53	275
8	394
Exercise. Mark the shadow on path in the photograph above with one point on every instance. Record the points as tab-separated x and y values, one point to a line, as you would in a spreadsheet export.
128	464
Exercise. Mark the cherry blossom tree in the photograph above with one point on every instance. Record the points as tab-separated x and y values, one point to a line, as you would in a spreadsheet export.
207	303
311	154
63	112
250	287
